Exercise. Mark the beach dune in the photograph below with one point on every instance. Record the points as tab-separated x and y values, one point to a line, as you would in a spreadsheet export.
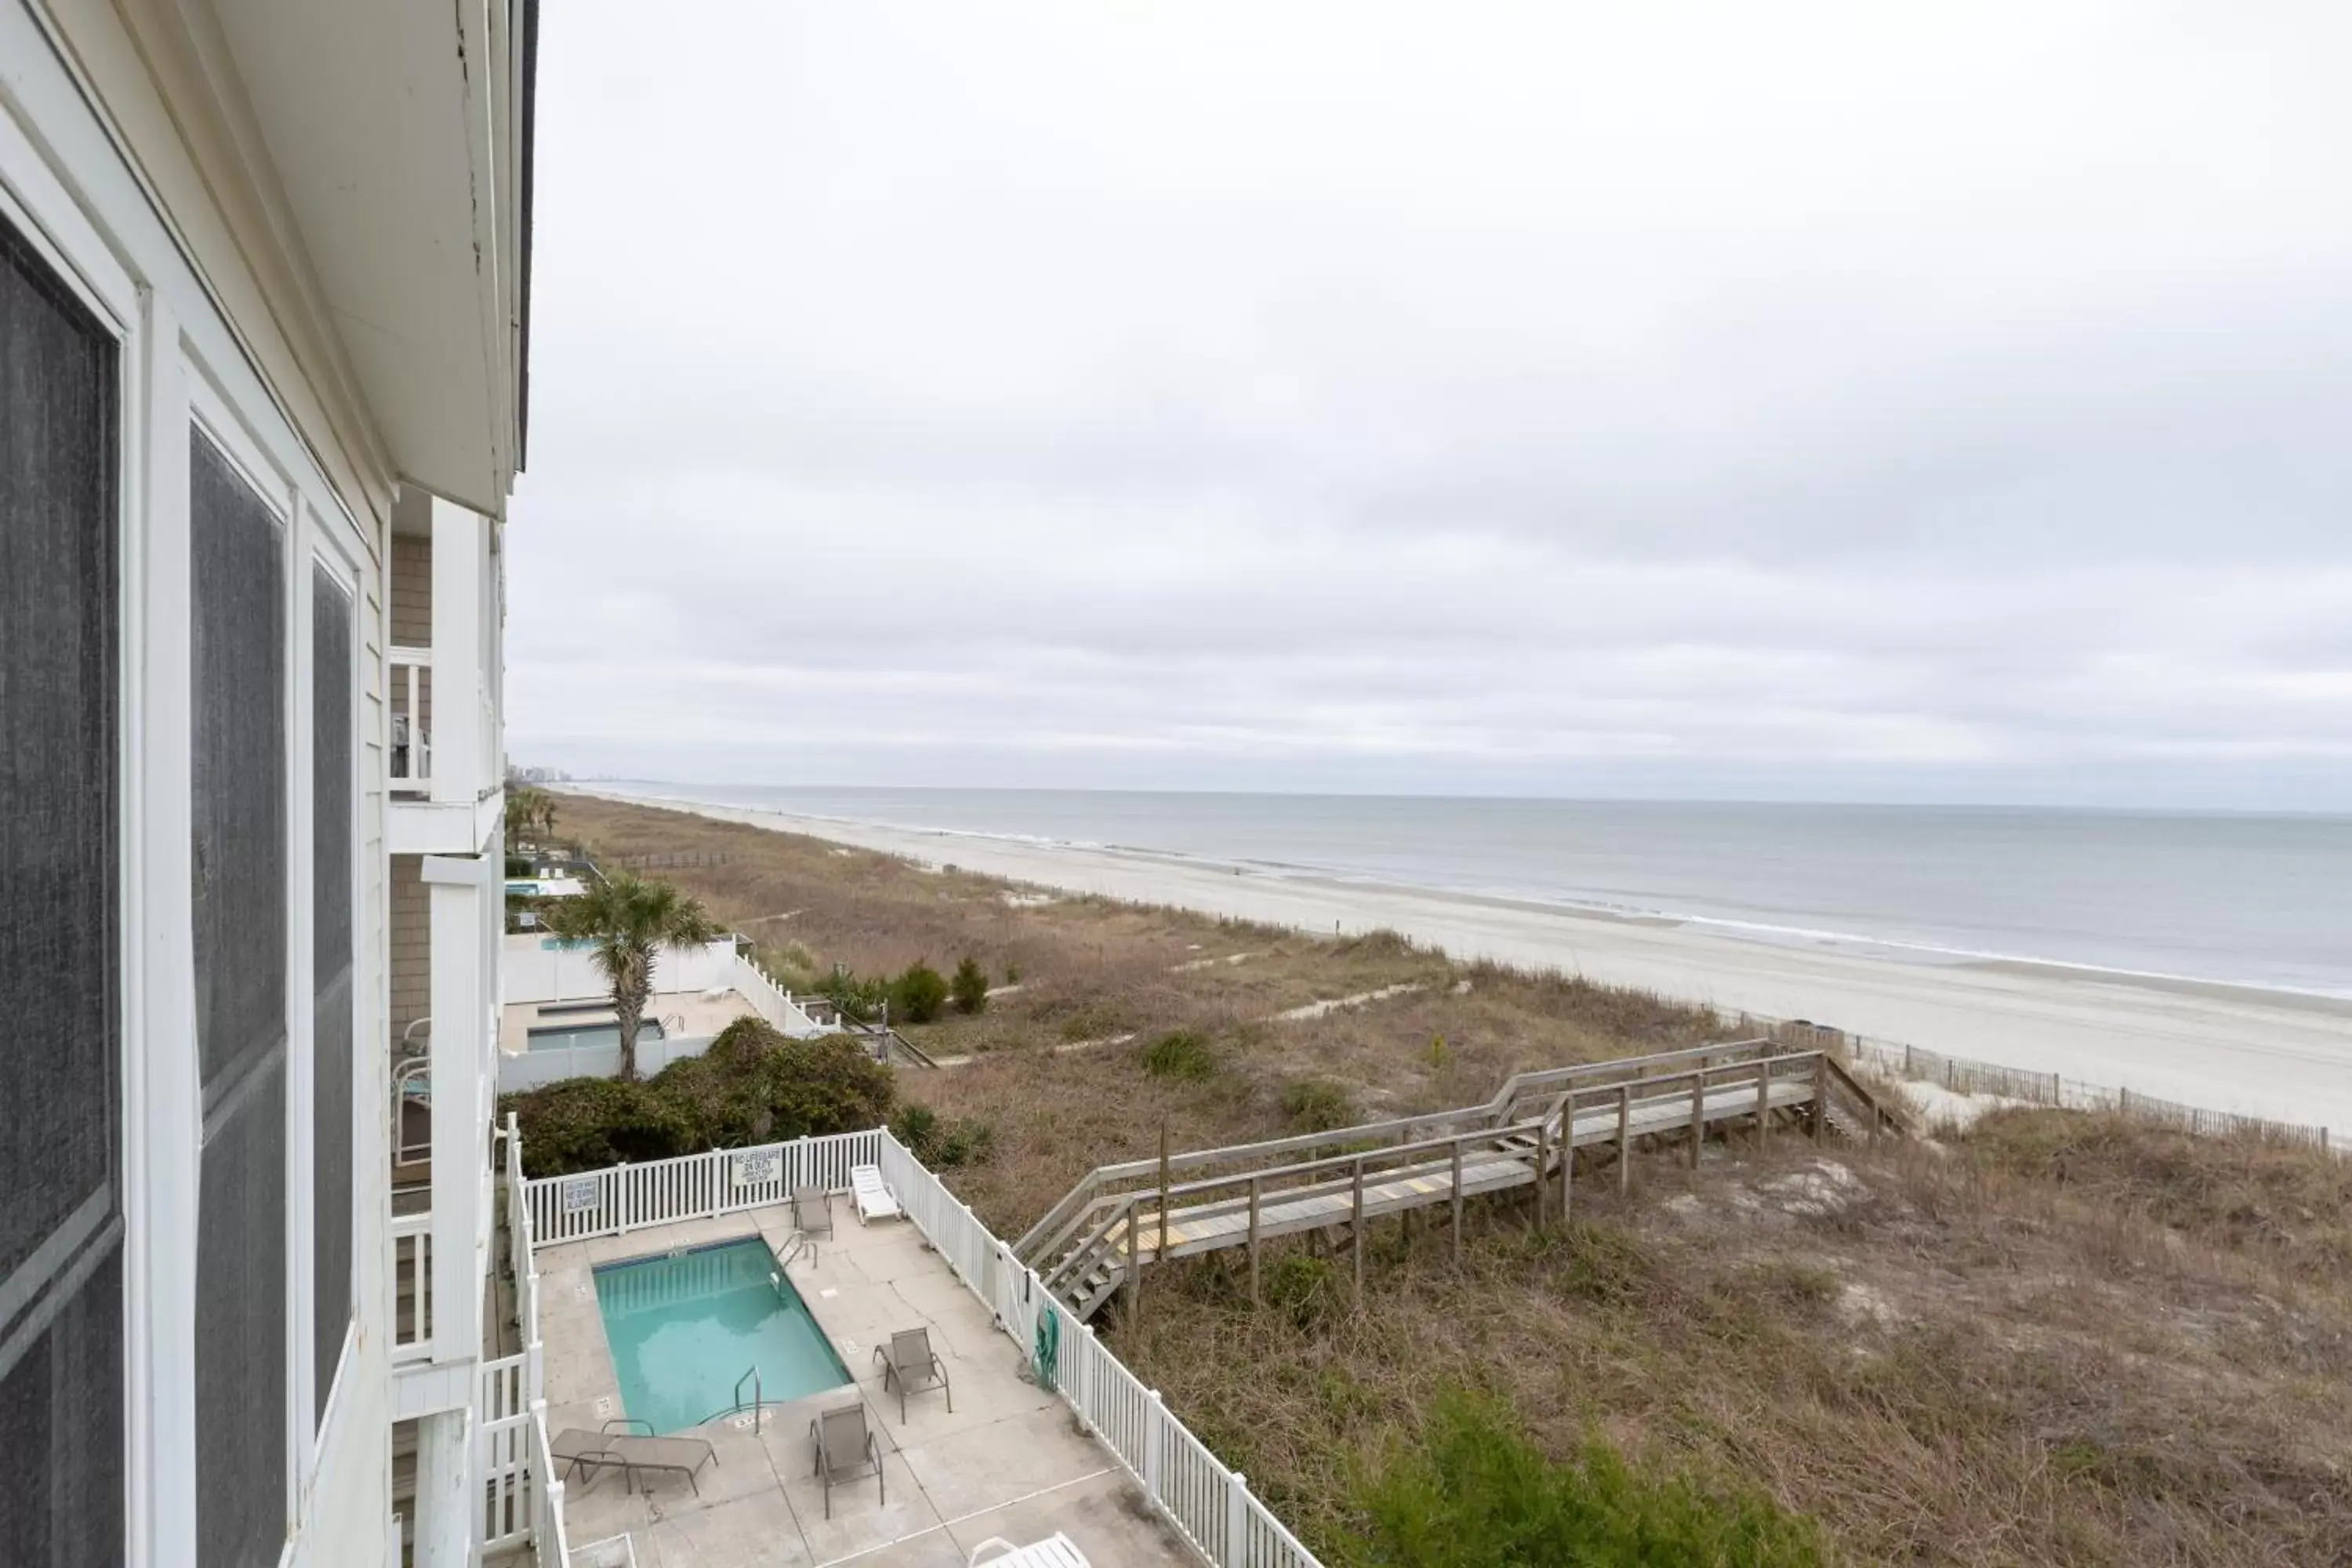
2278	1054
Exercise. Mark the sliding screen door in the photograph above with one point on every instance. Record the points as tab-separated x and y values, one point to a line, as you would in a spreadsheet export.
238	571
61	1395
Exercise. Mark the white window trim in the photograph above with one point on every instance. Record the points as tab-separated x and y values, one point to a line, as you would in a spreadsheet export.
334	552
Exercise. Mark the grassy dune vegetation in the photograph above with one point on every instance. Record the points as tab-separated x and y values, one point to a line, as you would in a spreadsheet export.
2057	1338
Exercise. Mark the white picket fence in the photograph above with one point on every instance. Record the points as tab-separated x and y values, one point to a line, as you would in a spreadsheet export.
623	1198
773	1003
1212	1506
522	1500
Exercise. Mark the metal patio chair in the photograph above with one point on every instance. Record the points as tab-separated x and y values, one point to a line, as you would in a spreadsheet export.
811	1211
846	1451
910	1365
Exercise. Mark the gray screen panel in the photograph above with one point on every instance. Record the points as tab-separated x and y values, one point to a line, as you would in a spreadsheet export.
62	1379
332	1062
237	560
238	574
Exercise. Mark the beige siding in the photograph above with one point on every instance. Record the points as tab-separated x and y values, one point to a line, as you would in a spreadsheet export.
412	946
412	590
412	615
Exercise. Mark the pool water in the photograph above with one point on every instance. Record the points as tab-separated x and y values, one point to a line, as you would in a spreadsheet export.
684	1328
558	1037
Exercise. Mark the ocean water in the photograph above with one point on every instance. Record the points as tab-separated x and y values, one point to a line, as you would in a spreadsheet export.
2245	899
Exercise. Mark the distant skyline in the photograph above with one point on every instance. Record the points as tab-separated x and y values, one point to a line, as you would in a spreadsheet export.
1931	402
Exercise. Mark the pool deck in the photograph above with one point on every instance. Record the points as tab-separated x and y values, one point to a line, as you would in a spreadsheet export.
1010	1460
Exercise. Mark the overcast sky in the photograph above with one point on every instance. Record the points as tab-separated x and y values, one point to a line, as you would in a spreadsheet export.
1918	401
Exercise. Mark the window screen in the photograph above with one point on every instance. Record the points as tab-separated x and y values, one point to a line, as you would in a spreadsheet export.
331	922
238	573
61	1503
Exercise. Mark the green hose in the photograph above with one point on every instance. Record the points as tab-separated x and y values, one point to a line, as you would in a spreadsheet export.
1049	1344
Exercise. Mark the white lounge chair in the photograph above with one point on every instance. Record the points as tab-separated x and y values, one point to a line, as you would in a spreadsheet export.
873	1199
1056	1551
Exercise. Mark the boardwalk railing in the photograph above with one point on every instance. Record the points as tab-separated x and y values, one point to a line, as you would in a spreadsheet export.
1209	1504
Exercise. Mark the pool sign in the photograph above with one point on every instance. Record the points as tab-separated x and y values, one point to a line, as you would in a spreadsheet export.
758	1170
579	1193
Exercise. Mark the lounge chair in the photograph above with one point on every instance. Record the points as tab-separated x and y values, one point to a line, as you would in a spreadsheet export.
909	1364
873	1199
630	1452
1056	1551
846	1451
811	1211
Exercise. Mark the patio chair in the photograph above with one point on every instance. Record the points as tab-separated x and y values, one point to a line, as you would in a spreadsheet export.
811	1211
1056	1551
909	1364
873	1199
630	1452
846	1451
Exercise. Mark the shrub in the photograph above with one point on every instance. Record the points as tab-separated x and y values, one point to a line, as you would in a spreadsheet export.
969	989
1306	1290
520	866
1092	1020
1317	1105
752	1086
1476	1491
792	965
1012	974
1181	1055
942	1144
587	1124
862	1000
917	996
808	1088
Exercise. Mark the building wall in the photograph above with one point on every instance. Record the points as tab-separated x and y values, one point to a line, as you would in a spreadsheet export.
412	590
212	334
412	615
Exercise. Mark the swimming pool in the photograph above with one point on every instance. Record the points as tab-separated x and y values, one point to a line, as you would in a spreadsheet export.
561	1036
684	1327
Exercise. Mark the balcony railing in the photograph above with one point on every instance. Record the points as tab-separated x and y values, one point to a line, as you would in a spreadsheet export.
412	1286
412	702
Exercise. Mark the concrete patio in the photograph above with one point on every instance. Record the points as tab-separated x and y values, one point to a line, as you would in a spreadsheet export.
1010	1460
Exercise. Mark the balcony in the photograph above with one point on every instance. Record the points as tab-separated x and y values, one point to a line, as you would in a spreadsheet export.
445	762
412	707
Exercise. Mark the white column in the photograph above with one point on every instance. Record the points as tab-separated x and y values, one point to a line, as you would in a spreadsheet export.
445	1489
458	589
459	889
163	1093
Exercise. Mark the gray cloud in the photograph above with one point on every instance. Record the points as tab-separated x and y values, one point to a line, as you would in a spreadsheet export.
1701	398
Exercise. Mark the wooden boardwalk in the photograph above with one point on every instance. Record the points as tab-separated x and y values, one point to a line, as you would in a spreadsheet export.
1124	1218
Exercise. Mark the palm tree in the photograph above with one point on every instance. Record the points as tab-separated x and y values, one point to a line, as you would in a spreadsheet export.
630	919
531	815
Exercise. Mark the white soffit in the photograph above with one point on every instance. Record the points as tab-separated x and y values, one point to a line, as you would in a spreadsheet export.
378	115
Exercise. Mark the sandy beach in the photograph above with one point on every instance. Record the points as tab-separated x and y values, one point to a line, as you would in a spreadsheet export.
2260	1053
